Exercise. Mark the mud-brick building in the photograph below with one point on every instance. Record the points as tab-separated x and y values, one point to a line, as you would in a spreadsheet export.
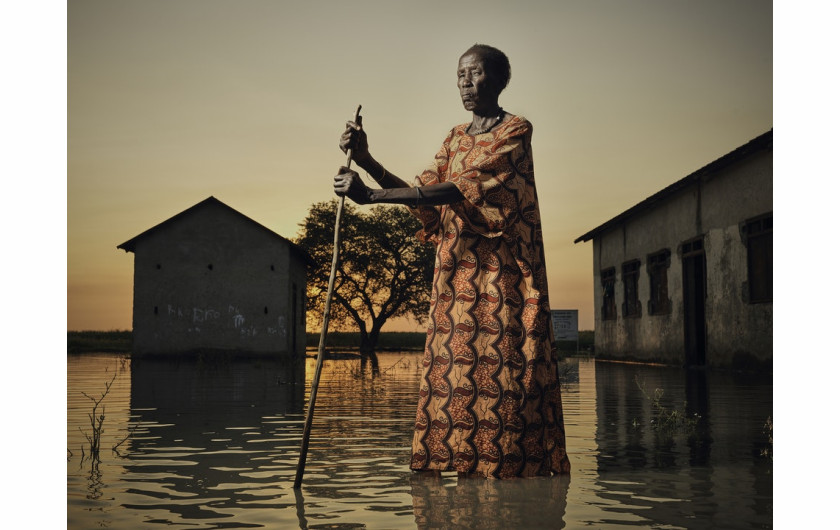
686	276
211	279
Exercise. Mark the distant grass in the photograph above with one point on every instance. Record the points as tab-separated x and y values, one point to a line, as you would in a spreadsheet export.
585	343
388	341
417	341
120	341
99	341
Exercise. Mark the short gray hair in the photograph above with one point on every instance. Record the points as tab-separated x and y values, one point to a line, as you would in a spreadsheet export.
495	61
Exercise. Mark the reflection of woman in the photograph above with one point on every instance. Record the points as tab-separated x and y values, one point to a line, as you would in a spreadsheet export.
489	399
490	504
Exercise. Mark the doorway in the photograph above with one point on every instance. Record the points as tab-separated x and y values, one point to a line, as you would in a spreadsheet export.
694	301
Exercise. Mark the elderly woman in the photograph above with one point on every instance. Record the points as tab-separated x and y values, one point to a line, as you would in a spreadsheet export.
489	398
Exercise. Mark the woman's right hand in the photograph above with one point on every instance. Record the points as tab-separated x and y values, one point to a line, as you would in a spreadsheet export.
348	184
355	138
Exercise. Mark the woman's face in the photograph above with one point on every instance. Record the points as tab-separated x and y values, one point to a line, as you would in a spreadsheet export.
479	90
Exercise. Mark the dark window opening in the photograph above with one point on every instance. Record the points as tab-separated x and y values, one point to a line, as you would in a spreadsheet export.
608	311
210	267
156	310
265	310
632	306
657	268
692	247
158	266
272	267
759	239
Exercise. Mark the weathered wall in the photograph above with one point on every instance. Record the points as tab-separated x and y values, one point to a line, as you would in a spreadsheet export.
736	330
712	208
214	281
655	338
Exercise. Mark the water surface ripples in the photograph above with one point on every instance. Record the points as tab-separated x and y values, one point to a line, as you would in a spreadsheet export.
215	445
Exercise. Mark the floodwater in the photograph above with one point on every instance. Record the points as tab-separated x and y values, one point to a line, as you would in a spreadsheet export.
215	445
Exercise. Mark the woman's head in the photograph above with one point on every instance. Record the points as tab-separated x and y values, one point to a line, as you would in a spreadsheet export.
483	72
495	61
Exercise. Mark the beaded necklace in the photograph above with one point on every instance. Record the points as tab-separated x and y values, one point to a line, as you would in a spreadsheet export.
484	130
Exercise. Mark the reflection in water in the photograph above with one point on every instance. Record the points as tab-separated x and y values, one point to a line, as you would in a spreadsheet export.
215	445
538	502
94	480
209	425
186	390
697	406
688	477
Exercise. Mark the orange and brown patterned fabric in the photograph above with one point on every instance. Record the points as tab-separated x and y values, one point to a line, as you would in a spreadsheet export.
489	398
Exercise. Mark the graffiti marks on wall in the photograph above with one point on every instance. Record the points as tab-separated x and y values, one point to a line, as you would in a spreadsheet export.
204	315
210	319
280	329
238	319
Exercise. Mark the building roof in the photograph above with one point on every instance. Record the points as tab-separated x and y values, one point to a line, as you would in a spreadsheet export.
131	244
765	141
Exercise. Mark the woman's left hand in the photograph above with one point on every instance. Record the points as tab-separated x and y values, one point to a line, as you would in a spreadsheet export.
355	138
348	183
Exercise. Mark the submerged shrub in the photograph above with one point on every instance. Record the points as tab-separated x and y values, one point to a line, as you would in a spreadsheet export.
666	420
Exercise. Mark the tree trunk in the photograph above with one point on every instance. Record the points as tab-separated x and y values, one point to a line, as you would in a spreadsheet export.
370	357
367	349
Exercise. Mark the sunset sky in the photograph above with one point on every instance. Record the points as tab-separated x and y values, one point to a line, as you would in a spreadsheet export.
170	102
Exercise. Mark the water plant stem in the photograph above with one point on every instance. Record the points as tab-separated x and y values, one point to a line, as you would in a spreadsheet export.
96	421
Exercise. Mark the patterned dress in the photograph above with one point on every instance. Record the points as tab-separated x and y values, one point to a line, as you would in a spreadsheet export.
489	398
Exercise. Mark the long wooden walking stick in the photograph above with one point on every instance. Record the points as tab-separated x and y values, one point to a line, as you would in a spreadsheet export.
307	426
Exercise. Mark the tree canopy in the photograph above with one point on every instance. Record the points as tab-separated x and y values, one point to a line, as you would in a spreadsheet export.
383	270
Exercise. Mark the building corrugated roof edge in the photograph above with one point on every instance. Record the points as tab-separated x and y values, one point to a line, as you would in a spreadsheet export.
758	143
130	245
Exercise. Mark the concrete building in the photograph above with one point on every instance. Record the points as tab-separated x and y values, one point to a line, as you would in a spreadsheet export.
211	279
686	276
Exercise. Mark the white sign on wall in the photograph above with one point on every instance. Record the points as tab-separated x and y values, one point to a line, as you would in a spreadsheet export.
565	324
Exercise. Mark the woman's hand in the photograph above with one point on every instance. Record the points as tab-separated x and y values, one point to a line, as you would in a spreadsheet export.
355	138
349	184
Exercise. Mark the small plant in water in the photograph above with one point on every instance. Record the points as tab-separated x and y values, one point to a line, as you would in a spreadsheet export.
116	447
94	439
403	363
97	418
767	450
666	420
564	373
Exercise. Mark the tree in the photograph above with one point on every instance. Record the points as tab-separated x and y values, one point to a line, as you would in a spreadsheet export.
383	270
